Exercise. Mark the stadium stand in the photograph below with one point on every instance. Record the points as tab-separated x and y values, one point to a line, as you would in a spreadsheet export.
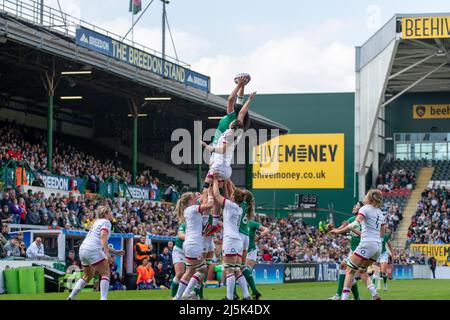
74	157
430	224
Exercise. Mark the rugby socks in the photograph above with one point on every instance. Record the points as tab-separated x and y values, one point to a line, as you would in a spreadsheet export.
231	282
372	290
345	293
355	290
243	285
77	288
181	288
385	278
247	272
215	220
195	280
341	281
174	286
104	288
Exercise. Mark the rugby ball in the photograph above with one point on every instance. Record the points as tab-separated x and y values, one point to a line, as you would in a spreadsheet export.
245	75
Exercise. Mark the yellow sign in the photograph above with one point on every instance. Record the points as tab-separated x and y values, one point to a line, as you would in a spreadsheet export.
431	111
439	251
300	161
426	27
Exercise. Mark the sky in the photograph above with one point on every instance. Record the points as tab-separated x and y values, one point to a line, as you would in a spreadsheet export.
289	46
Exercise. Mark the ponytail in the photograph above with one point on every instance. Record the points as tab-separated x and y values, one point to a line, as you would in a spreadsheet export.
181	205
101	212
241	196
374	197
250	205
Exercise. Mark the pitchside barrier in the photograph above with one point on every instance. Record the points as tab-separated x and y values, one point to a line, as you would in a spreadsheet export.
320	272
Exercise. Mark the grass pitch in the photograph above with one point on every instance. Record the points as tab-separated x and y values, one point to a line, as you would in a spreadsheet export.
398	290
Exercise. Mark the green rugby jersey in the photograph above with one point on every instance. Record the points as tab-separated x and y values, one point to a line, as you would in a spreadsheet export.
179	242
355	239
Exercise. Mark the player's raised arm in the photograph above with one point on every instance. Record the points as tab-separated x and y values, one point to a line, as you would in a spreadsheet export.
205	207
246	106
234	93
216	193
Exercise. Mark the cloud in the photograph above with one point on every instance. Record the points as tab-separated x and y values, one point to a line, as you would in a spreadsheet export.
296	62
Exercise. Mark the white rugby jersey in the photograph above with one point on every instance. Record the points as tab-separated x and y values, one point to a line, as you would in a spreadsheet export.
231	220
371	225
226	138
194	225
93	238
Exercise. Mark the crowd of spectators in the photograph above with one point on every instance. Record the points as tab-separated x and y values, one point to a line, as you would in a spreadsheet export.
24	143
395	179
77	212
430	224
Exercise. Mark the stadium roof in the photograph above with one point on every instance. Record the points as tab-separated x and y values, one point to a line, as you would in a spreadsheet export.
413	58
29	48
410	53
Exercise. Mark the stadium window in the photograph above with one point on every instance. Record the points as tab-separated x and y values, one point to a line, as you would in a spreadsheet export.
416	151
427	151
441	151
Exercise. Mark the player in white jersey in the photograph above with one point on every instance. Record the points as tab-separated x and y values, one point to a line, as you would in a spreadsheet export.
223	148
191	212
373	226
95	254
232	241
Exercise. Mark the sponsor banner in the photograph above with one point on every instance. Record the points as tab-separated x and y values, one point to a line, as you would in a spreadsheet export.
402	272
93	41
304	272
26	178
268	273
426	27
63	183
328	272
298	161
431	111
118	50
124	191
438	251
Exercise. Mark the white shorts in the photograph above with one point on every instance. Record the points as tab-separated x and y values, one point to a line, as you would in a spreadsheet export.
384	257
91	257
245	241
222	169
253	255
177	255
368	250
208	244
232	247
193	251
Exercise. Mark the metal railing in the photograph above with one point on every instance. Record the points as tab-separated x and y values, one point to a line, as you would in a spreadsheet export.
57	21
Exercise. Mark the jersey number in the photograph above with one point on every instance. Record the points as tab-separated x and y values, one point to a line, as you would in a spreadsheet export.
378	218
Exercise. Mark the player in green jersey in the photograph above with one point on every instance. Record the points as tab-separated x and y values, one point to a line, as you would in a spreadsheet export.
250	262
355	237
383	260
178	260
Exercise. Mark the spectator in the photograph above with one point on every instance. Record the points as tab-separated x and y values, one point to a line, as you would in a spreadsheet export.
12	248
161	276
36	250
432	263
72	263
142	250
116	282
145	276
23	249
166	258
5	215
